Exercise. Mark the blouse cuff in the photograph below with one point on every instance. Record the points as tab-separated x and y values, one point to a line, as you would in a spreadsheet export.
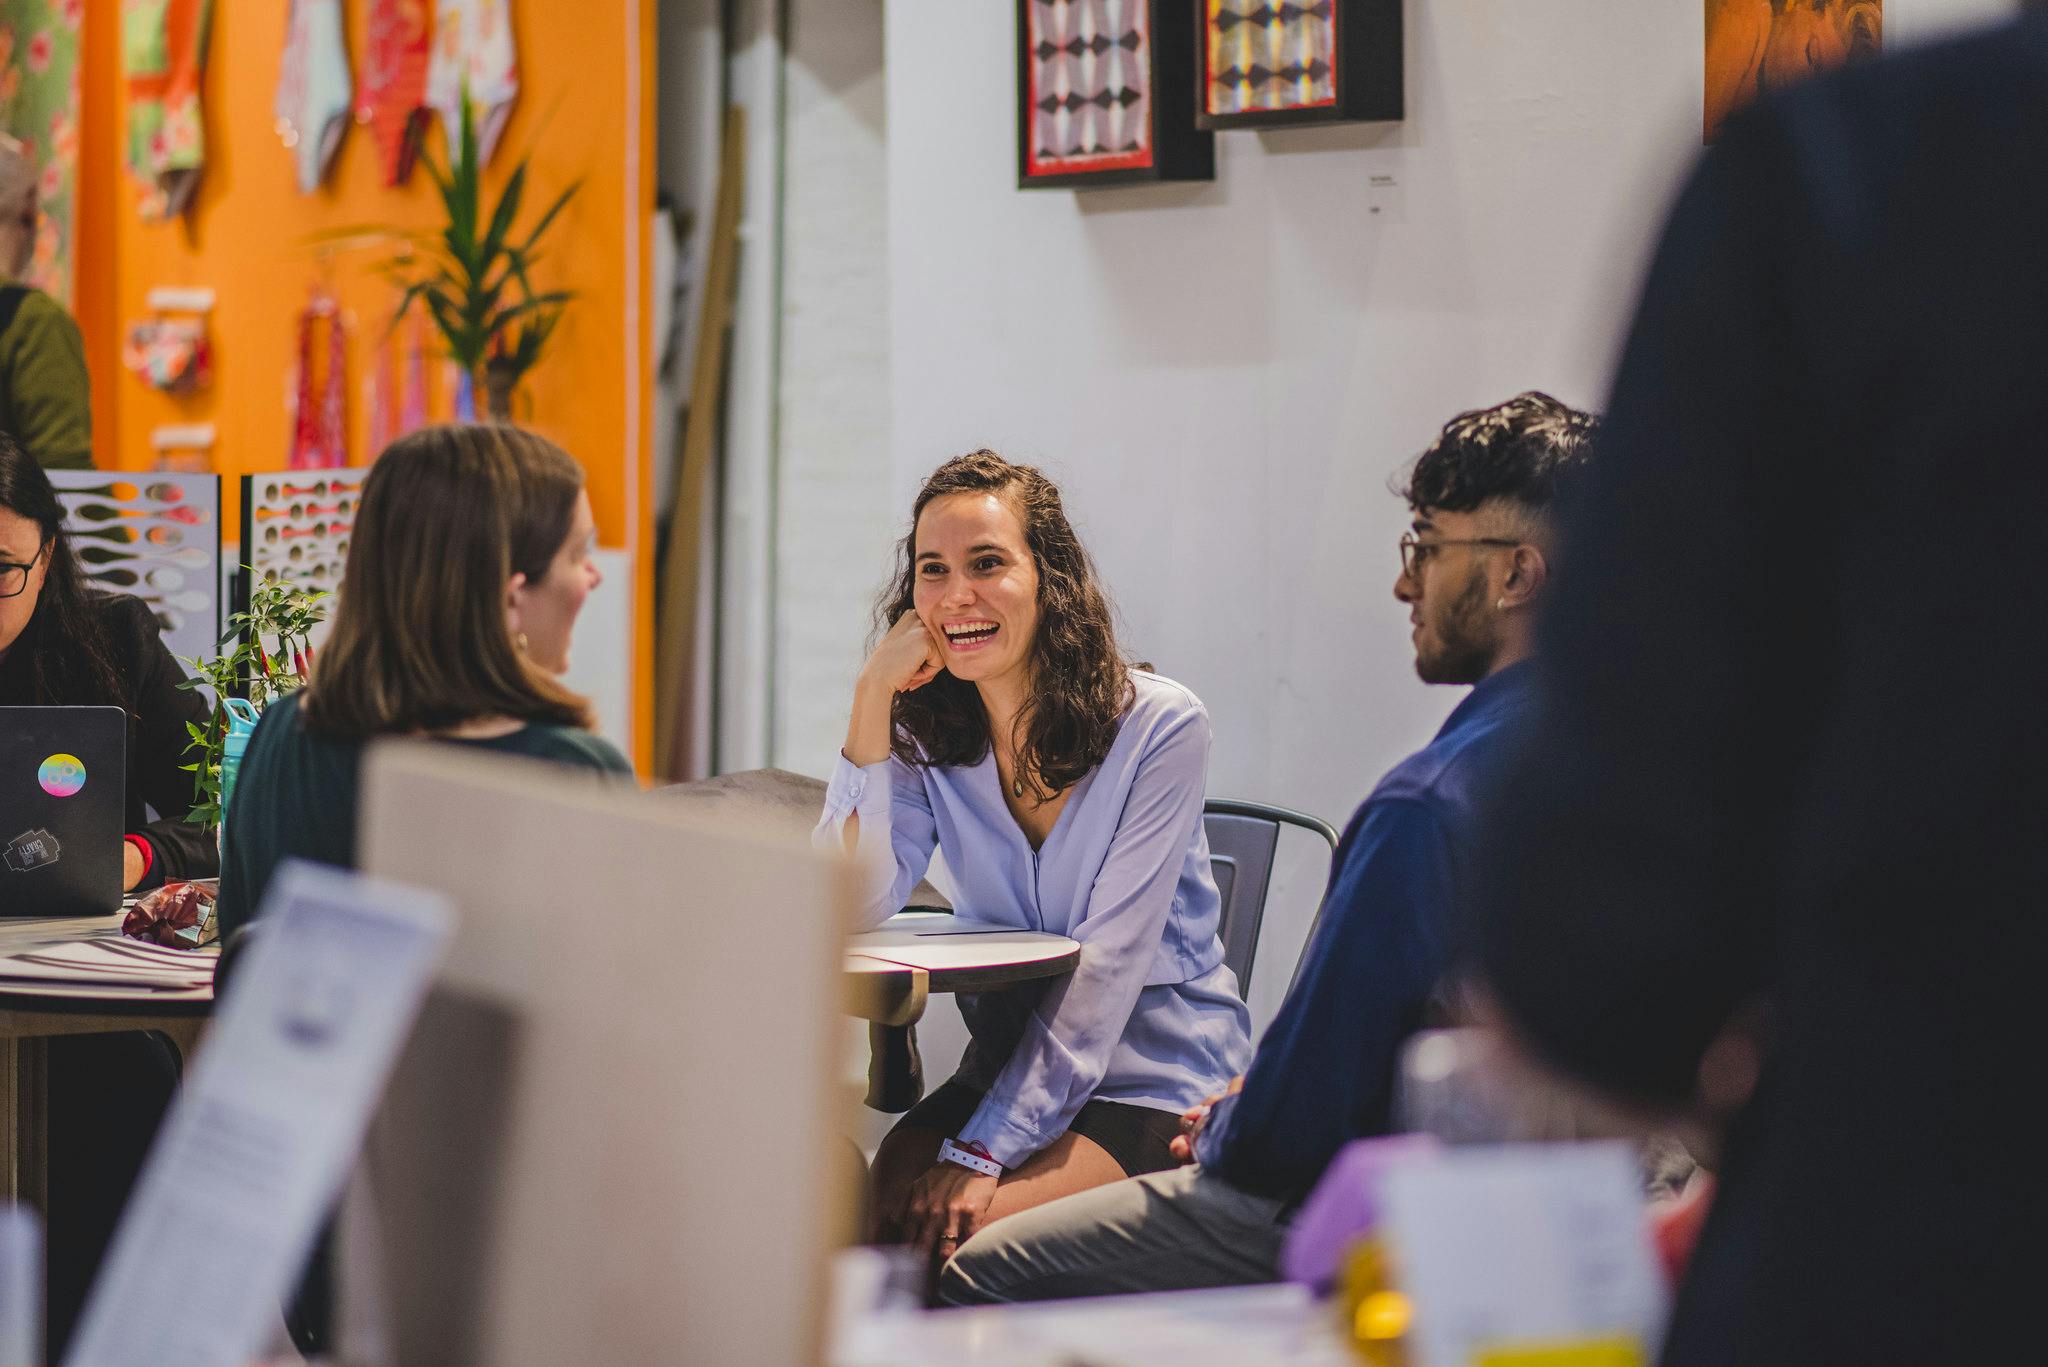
855	788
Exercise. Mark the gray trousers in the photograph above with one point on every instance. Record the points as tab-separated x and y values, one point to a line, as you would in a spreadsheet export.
1166	1231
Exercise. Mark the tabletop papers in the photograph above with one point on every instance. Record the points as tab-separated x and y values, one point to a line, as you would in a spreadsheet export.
111	959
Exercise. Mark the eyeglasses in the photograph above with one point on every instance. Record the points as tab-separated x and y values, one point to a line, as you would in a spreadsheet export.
1415	552
14	578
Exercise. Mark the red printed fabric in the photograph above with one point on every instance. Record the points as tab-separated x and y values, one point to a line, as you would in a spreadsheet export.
391	98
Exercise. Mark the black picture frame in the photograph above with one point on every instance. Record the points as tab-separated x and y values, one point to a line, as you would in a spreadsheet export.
1368	70
1179	151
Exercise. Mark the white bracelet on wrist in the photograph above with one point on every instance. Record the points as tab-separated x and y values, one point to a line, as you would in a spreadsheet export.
949	1152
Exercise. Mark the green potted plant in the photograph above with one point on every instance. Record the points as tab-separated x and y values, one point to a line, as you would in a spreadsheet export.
475	276
270	659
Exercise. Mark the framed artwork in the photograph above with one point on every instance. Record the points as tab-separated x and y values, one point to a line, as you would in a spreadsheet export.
155	535
1105	94
1268	63
1754	47
296	525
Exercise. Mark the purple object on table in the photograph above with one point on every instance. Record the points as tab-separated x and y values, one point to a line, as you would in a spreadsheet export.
1344	1208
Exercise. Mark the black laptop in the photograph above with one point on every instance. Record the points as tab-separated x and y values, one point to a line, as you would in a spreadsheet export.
63	786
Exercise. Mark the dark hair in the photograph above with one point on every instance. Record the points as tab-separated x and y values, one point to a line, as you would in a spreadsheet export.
1523	450
420	643
70	661
1080	684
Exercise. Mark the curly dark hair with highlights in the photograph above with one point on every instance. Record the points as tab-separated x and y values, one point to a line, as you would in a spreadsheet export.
1524	450
1080	682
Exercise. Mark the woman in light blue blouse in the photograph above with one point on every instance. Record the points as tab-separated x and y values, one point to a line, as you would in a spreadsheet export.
998	723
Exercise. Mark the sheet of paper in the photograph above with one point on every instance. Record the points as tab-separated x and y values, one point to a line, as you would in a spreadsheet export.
259	1141
21	1287
1524	1245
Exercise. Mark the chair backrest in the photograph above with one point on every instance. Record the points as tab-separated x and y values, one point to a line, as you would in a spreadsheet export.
1243	838
774	801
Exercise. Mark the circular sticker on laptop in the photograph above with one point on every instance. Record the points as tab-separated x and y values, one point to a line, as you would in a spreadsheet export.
61	775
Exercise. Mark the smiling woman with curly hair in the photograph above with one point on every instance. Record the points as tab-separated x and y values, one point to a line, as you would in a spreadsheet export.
998	723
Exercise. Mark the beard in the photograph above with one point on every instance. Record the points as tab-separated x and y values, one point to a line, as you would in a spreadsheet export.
1458	648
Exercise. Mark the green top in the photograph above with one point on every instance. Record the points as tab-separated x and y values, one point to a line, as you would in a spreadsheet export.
295	797
45	393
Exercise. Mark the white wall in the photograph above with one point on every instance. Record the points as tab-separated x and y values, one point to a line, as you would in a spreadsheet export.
833	514
1224	377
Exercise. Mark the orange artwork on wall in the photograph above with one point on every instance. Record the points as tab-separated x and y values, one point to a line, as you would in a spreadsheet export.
1757	46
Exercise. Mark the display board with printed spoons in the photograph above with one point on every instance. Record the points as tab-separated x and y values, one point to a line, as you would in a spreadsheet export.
155	535
296	525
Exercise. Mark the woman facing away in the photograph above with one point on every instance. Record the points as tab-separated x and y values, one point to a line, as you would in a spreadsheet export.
998	723
471	560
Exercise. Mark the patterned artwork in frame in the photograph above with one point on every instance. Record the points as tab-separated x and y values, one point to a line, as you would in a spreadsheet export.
1266	63
1105	94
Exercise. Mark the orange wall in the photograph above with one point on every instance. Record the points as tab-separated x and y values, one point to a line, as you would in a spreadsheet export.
584	111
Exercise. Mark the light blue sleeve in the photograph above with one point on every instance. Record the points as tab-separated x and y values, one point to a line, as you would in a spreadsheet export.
897	833
1067	1043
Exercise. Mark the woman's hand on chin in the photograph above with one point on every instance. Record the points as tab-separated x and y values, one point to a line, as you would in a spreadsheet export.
945	1207
907	659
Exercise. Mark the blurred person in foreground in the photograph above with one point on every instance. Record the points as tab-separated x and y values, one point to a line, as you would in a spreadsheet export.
1790	746
45	393
1385	947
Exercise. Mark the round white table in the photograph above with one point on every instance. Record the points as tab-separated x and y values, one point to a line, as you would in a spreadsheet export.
892	971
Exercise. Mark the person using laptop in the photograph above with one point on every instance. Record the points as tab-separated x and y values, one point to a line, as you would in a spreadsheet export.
471	560
63	643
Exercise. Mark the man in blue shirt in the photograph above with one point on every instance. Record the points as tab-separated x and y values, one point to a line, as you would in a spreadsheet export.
1472	569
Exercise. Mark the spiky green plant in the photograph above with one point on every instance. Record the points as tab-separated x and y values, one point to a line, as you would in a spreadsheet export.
474	276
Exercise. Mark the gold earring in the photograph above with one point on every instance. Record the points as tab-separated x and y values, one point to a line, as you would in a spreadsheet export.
1502	605
519	642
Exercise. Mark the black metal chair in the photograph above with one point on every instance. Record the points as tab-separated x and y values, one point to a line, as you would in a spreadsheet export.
1243	839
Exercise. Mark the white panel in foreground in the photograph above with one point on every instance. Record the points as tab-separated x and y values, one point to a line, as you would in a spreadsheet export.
583	1158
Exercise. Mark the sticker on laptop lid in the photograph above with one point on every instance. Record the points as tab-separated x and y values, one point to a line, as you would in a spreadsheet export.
32	850
62	775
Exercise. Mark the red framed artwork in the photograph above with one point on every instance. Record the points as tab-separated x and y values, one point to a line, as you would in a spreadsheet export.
1105	94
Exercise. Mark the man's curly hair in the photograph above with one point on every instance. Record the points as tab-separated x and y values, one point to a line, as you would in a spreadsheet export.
1524	451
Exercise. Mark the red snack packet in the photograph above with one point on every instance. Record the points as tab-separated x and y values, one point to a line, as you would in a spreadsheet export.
176	915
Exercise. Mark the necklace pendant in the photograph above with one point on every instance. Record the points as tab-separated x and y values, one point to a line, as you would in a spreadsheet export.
1017	787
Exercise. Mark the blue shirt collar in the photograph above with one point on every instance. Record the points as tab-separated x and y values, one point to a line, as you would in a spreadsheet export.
1503	687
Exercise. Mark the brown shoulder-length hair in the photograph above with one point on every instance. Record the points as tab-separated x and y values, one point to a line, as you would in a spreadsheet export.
420	641
1080	685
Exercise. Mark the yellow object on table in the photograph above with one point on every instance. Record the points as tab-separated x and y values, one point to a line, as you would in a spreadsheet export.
1609	1352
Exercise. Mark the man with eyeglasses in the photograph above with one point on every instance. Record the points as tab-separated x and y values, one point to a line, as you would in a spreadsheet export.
1472	570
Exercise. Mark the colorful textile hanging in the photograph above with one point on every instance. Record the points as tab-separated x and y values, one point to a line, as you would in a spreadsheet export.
318	440
39	47
163	56
314	89
473	52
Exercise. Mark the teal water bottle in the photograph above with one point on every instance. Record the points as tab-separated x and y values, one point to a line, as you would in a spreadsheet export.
242	716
